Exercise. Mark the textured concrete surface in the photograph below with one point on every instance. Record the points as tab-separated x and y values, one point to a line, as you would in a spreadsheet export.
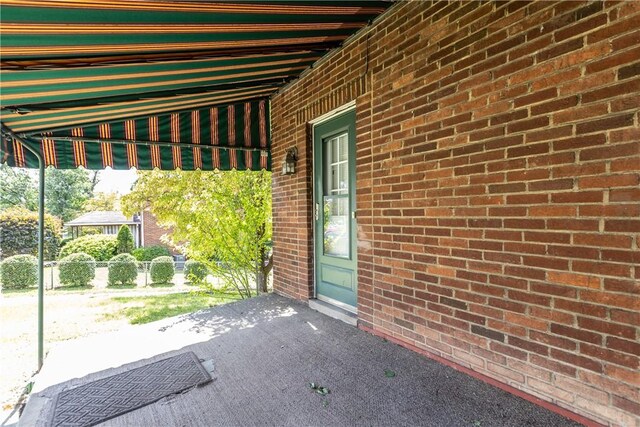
265	352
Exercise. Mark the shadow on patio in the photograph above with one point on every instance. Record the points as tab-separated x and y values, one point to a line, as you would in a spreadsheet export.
265	353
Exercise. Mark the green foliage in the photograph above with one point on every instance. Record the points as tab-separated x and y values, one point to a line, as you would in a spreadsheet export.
19	233
64	241
77	269
148	253
195	271
222	216
162	270
125	240
123	270
66	191
19	272
90	231
18	189
103	202
101	247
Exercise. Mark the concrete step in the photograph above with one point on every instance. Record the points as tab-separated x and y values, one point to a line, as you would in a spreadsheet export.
333	311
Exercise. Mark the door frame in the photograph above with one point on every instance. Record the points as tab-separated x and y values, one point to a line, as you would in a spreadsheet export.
315	122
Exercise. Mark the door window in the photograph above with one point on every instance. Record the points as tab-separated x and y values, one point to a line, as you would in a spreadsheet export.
336	227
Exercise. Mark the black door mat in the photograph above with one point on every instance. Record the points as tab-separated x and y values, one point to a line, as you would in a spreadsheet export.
107	398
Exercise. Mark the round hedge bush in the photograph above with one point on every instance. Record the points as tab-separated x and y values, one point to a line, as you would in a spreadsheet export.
123	270
101	247
162	269
195	271
19	272
77	269
149	253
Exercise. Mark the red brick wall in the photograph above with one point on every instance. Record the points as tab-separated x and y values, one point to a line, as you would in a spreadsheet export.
498	196
152	232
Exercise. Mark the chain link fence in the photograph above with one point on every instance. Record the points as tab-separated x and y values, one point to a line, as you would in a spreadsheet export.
52	276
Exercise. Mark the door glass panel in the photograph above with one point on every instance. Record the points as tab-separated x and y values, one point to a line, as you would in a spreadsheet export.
336	226
337	238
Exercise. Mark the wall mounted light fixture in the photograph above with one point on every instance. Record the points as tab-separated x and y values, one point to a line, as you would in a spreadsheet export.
289	163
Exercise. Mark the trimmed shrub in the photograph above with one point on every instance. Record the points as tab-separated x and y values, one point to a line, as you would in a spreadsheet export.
90	231
19	272
77	269
123	270
162	269
125	240
150	252
19	233
64	241
195	271
101	247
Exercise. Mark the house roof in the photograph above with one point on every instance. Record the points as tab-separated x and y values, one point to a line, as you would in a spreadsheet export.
157	84
100	218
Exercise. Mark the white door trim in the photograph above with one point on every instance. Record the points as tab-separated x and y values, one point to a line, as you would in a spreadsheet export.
336	112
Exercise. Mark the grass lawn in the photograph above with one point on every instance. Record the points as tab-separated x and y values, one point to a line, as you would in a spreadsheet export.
144	309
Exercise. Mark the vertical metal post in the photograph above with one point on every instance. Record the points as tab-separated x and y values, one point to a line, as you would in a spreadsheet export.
9	133
41	263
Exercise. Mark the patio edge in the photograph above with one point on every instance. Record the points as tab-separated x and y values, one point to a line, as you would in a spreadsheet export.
587	422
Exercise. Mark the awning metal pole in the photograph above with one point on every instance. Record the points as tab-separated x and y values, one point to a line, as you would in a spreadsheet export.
40	261
9	133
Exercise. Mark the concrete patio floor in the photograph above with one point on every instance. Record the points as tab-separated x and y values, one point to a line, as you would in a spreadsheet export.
265	352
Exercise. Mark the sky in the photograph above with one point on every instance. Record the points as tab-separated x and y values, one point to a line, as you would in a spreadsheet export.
115	181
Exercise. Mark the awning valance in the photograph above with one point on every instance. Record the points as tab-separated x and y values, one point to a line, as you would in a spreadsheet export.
82	65
234	136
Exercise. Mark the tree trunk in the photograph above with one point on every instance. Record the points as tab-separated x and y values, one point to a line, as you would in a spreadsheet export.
263	270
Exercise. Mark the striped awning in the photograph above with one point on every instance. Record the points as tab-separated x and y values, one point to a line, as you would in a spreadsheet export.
166	84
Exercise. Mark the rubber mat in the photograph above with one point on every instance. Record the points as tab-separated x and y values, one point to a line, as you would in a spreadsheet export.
109	397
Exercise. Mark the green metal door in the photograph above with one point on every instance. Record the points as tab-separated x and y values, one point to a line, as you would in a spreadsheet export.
335	210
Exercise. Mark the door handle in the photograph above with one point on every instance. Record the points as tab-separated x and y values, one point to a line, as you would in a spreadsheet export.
317	214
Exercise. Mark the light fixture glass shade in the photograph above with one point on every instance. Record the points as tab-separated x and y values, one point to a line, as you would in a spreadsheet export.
289	163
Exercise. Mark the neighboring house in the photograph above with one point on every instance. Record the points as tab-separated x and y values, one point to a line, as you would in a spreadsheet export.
144	227
109	222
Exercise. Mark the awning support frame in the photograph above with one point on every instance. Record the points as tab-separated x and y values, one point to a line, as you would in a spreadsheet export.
8	133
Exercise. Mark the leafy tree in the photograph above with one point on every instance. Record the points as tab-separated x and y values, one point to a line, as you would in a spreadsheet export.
18	189
125	240
222	219
66	192
103	202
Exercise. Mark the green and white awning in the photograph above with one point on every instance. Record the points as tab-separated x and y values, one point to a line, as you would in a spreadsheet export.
166	84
